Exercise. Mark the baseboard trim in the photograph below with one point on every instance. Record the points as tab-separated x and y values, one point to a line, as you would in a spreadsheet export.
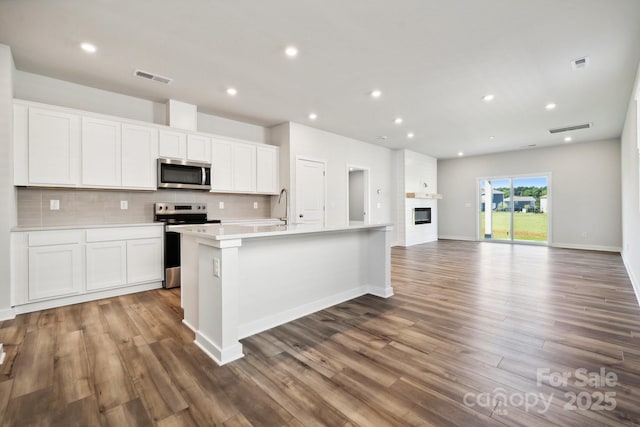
220	356
587	247
92	296
635	284
465	238
7	314
268	322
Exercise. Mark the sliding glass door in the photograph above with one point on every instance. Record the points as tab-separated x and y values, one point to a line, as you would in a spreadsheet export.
514	209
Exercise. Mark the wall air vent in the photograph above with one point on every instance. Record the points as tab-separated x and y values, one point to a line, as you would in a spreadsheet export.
150	76
570	128
580	63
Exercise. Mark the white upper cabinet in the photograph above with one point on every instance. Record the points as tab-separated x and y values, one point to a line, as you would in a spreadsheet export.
173	144
267	169
222	165
101	153
180	145
139	154
58	147
198	148
244	168
53	147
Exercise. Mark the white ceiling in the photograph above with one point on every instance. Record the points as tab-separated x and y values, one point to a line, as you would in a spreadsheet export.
433	60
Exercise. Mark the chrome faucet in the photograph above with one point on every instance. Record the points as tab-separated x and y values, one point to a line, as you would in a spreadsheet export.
286	206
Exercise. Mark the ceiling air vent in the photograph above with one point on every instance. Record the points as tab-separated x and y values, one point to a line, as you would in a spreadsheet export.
570	128
580	63
150	76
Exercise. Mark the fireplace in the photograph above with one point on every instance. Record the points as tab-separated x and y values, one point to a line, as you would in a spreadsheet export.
422	216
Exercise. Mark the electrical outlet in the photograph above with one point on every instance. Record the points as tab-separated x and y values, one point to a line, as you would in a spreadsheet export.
54	205
584	234
221	205
255	205
124	204
216	267
378	205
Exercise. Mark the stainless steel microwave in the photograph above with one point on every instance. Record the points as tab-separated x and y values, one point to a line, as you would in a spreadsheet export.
176	173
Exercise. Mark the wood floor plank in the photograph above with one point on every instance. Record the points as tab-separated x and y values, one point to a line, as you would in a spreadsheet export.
80	413
128	414
71	369
152	383
34	362
111	381
5	393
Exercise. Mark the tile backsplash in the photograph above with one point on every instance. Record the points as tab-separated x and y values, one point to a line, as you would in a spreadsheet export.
85	207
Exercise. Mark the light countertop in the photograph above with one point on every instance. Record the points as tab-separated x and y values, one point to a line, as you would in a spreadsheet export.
234	231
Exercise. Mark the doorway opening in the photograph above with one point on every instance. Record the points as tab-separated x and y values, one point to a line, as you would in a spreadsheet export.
514	209
358	195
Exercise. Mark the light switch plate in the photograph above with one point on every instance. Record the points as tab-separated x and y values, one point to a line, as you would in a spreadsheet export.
124	204
216	267
255	205
54	205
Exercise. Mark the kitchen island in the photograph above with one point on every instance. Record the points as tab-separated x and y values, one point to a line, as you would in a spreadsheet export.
239	280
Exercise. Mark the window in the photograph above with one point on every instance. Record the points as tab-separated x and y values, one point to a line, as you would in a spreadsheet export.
514	208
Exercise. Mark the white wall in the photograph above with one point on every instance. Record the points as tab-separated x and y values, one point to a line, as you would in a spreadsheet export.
37	88
630	158
337	151
585	191
7	191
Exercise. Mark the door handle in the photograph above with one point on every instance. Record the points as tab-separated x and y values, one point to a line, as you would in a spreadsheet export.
301	216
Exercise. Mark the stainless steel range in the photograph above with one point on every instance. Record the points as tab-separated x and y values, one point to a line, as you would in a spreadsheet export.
177	214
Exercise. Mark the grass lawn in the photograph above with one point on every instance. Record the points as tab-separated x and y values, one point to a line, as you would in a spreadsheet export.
526	226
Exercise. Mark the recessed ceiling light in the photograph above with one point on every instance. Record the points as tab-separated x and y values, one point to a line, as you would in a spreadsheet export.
313	116
550	106
488	97
568	139
88	47
398	120
291	51
232	91
460	154
410	135
492	137
376	93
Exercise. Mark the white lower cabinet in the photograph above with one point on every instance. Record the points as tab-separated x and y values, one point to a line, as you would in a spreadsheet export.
54	271
106	265
144	260
60	267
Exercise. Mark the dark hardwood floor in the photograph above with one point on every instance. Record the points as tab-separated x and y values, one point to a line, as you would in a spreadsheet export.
470	331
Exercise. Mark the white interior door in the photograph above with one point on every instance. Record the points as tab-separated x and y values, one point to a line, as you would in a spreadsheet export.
310	192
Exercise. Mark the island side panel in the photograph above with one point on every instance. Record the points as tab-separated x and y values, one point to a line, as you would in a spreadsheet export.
217	332
284	278
379	265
